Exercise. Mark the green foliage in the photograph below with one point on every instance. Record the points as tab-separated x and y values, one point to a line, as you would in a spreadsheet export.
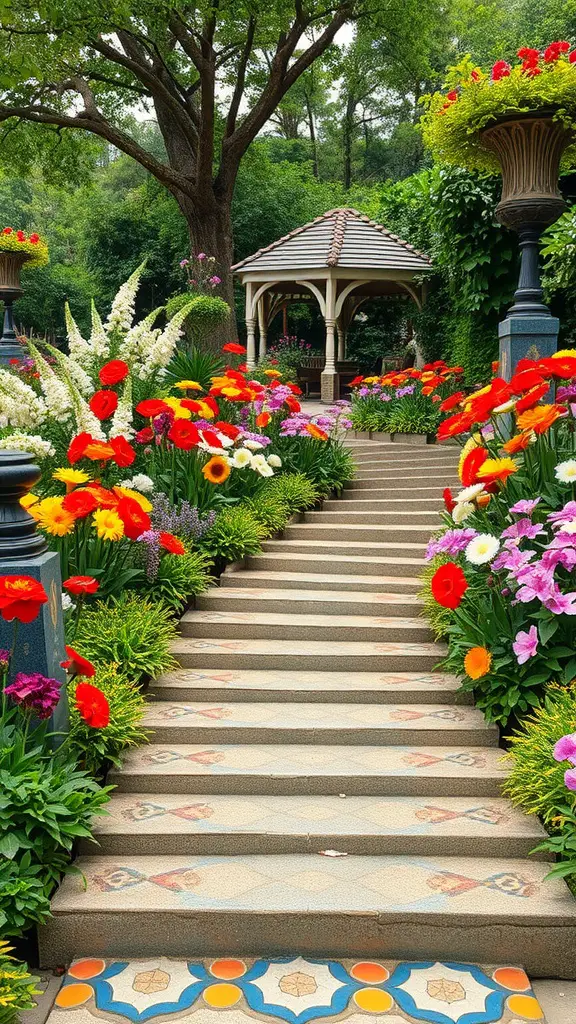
36	252
130	631
439	618
46	803
179	578
269	509
206	313
295	489
328	464
234	534
17	986
96	748
195	365
474	345
454	136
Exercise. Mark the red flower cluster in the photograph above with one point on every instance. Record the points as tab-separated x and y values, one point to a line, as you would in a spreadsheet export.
21	236
117	449
92	705
501	69
21	597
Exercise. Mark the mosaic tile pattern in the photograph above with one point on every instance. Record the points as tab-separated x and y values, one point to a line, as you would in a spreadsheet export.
317	681
294	990
318	716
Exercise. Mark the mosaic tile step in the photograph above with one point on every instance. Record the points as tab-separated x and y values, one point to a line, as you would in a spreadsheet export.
306	602
343	581
387	724
293	990
305	768
119	905
335	655
356	687
146	823
288	625
374	565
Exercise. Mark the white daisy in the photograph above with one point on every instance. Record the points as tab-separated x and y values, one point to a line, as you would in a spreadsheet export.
462	511
275	460
566	471
241	458
482	549
469	493
254	446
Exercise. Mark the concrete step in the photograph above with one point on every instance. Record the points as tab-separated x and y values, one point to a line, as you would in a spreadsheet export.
400	533
236	624
342	517
271	722
298	655
438	465
351	547
214	824
319	581
431	498
398	484
443	908
321	560
314	687
308	602
323	769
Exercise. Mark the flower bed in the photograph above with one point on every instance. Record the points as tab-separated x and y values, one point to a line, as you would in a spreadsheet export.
403	402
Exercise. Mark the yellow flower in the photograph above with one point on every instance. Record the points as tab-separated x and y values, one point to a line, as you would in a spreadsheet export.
108	524
29	499
207	413
70	477
563	353
127	492
53	518
179	410
40	508
189	385
371	380
272	373
230	391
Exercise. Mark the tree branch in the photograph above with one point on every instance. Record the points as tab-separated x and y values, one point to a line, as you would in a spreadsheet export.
240	78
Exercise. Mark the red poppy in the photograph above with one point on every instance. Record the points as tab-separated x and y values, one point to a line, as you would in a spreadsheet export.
151	407
449	503
124	454
80	503
524	381
228	429
76	665
532	397
21	597
263	419
454	425
103	404
135	519
92	705
449	585
452	401
212	404
292	404
81	585
561	366
77	447
172	544
472	462
144	436
104	497
184	434
192	404
211	438
235	348
357	380
114	371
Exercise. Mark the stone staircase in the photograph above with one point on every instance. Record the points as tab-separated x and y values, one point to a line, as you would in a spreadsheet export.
308	716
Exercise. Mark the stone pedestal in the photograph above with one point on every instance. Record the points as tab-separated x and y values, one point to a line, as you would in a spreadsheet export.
23	552
329	386
526	337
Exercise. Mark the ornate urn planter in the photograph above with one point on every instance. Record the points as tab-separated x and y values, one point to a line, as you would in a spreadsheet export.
11	264
529	149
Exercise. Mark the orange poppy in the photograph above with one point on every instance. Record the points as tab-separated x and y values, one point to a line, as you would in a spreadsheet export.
477	662
316	432
263	419
539	419
517	443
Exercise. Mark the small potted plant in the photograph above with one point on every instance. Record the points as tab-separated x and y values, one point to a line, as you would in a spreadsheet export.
519	120
16	250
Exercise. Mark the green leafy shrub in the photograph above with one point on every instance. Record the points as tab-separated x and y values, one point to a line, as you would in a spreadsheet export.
179	578
47	802
206	313
295	489
235	534
194	365
17	986
269	509
328	464
130	631
95	747
439	618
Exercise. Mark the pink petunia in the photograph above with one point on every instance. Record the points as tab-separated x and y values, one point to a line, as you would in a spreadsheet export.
525	645
565	749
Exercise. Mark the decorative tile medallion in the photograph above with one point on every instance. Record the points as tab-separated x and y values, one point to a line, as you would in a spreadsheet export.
295	990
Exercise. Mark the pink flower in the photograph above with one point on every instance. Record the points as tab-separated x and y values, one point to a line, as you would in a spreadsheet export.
570	779
201	256
525	506
214	280
184	263
35	692
525	645
565	749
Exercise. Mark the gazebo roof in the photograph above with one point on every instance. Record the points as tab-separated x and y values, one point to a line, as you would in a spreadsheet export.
342	238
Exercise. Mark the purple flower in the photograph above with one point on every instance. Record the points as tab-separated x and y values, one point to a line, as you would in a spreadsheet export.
525	645
570	779
564	515
511	558
385	397
565	749
214	280
4	657
35	692
525	506
559	603
151	541
201	256
184	263
522	528
402	392
453	542
363	392
565	392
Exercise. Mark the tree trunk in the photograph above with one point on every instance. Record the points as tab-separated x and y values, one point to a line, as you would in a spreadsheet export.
312	130
348	133
210	230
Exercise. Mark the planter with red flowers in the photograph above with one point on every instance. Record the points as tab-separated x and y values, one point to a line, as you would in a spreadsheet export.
16	250
518	120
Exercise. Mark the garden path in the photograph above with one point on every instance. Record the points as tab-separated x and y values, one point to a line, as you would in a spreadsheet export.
308	715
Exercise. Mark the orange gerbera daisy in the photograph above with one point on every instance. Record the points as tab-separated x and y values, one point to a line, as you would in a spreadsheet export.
316	432
518	443
496	469
477	662
216	470
539	419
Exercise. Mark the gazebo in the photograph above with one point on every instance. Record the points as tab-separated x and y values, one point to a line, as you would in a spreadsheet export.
340	260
